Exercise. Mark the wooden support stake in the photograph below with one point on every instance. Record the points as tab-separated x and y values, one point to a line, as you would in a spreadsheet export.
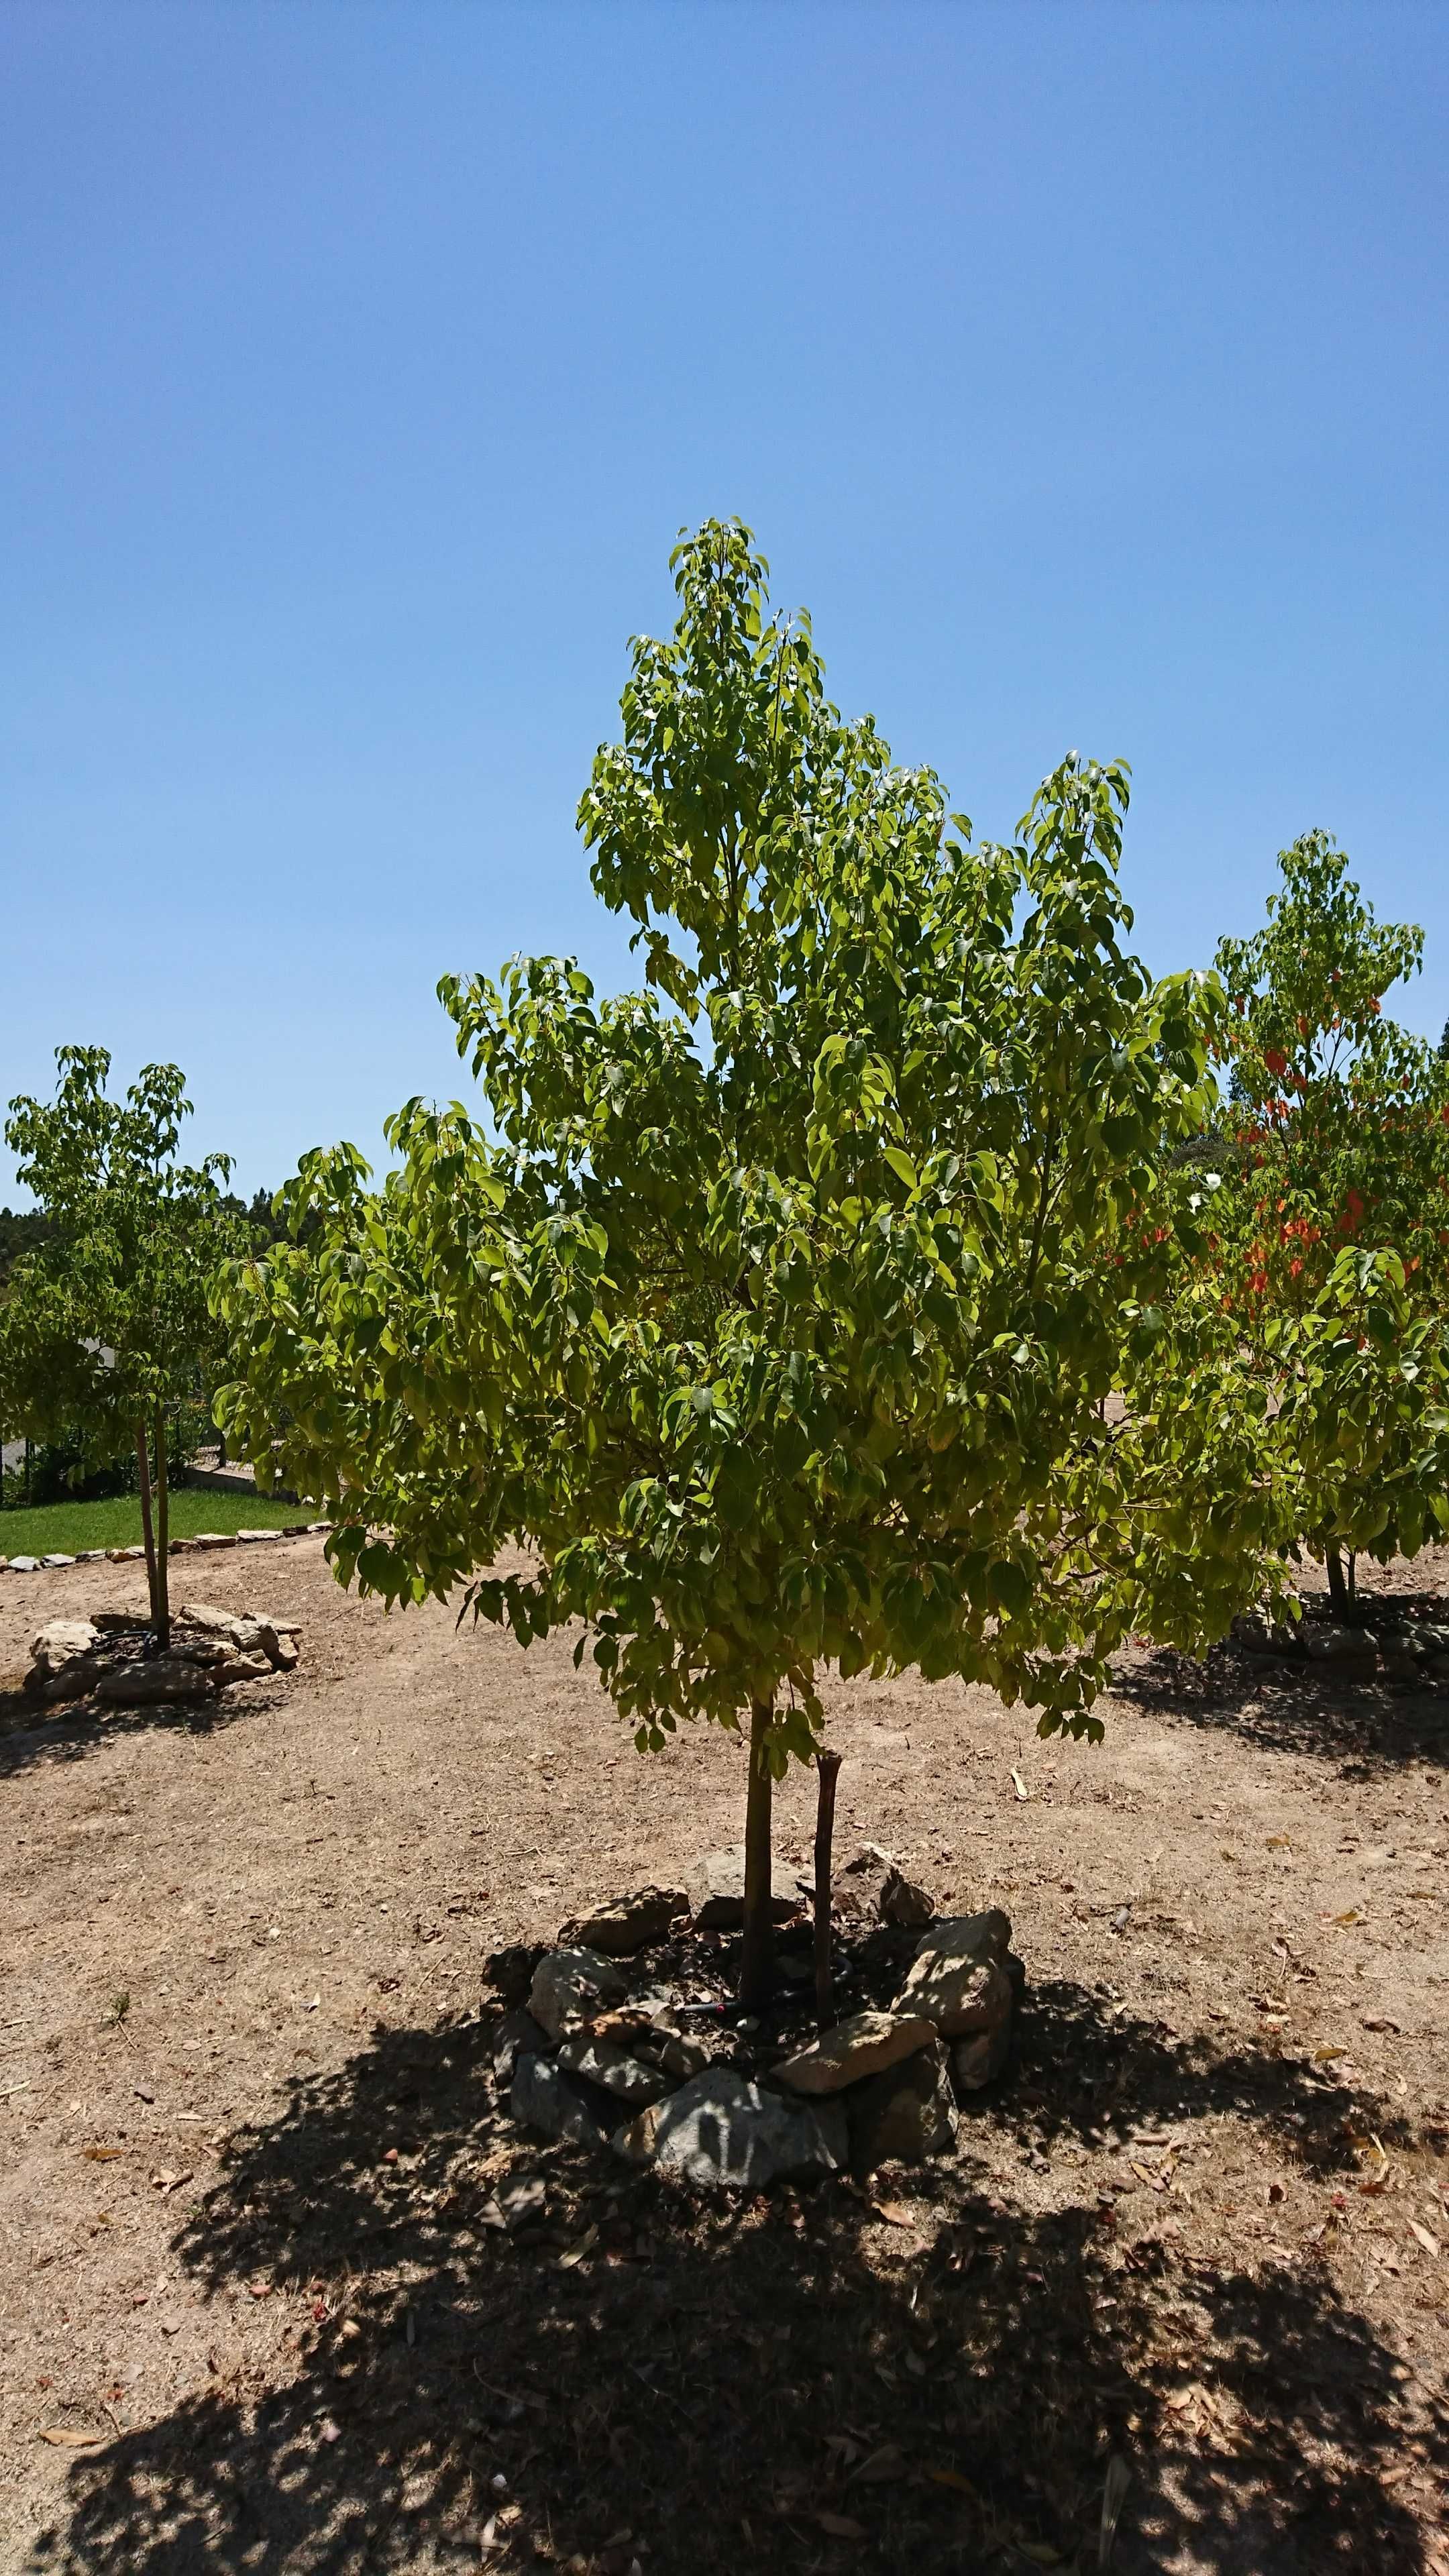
828	1767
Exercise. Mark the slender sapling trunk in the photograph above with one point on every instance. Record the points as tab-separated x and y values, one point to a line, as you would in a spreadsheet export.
1338	1588
163	1538
757	1957
143	1470
827	1766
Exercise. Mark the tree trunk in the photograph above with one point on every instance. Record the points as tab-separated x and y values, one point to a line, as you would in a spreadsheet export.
1338	1591
143	1466
757	1958
163	1538
828	1767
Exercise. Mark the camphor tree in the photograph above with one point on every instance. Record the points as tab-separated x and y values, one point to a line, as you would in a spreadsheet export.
106	1326
774	1307
1332	1246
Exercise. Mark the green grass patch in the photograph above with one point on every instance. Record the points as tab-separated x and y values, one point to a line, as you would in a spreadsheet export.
65	1529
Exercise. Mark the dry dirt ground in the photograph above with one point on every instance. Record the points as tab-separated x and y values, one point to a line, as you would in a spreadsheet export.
253	2315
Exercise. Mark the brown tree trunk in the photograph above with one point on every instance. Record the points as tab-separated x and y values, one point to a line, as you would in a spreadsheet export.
163	1538
1338	1590
828	1768
757	1957
143	1468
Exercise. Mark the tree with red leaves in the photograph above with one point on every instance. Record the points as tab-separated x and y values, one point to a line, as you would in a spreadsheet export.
1331	1237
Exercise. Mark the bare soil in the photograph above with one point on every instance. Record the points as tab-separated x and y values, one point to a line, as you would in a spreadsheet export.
255	2315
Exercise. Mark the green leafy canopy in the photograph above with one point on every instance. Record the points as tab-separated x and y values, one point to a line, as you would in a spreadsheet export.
1330	1241
107	1318
773	1308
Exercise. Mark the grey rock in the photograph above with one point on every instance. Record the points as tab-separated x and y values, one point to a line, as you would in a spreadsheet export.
523	2204
858	2047
682	2056
904	2115
73	1680
901	1901
959	1979
629	1923
724	2132
91	1556
1262	1636
716	1890
1350	1651
240	1668
214	1538
57	1560
979	2061
858	1881
144	1685
546	2098
25	1565
612	2067
570	1987
258	1538
211	1621
58	1643
519	2035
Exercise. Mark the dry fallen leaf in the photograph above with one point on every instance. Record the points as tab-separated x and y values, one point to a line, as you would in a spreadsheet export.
886	2463
68	2439
895	2213
577	2252
1325	2056
1019	1785
1119	2479
951	2478
840	2526
102	2155
1279	1842
1425	2236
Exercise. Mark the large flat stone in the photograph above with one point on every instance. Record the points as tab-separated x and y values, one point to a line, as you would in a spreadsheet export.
544	2097
604	2063
958	1979
722	2131
860	2046
58	1643
979	2060
629	1923
716	1890
145	1685
570	1986
904	2115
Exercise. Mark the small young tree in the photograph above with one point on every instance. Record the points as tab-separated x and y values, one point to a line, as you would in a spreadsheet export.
776	1312
1332	1233
105	1325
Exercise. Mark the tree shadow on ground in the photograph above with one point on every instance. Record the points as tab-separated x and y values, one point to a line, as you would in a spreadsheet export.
1088	2076
33	1740
916	2376
1289	1707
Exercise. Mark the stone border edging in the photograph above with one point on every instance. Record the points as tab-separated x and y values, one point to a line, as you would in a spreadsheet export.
204	1540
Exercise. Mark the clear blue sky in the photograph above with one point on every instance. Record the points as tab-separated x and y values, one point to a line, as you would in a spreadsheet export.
1082	367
